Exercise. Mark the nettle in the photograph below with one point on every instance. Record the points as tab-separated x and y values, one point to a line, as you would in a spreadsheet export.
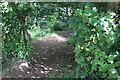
94	36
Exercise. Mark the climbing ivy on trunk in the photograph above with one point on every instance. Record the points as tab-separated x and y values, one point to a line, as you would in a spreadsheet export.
17	19
16	40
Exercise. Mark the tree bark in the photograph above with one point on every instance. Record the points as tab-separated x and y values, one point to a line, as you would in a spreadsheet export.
112	6
23	29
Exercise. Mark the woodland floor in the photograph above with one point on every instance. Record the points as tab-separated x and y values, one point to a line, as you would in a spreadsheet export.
51	54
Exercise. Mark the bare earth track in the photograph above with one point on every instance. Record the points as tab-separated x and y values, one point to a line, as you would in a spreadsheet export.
50	54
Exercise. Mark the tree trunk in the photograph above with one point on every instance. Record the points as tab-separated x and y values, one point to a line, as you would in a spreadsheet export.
23	27
110	6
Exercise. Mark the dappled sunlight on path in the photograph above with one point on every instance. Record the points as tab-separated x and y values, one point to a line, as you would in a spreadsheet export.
50	54
54	38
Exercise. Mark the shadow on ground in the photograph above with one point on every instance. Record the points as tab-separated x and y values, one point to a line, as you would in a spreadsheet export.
50	54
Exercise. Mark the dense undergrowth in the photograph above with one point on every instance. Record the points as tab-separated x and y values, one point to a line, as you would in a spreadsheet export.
18	32
95	38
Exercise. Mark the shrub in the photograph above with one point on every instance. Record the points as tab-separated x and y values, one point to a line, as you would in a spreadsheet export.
95	37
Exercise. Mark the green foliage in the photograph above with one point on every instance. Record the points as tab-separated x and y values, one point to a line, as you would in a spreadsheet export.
51	21
16	42
59	26
94	34
36	32
18	21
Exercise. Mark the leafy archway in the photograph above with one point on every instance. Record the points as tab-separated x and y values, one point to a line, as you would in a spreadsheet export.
96	34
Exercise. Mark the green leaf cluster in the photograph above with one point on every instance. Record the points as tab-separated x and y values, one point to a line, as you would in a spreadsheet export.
13	33
94	36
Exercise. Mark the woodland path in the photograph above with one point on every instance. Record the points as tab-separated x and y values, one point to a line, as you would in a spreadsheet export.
51	54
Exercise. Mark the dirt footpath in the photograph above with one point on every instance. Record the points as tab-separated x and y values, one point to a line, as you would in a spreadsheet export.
50	54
